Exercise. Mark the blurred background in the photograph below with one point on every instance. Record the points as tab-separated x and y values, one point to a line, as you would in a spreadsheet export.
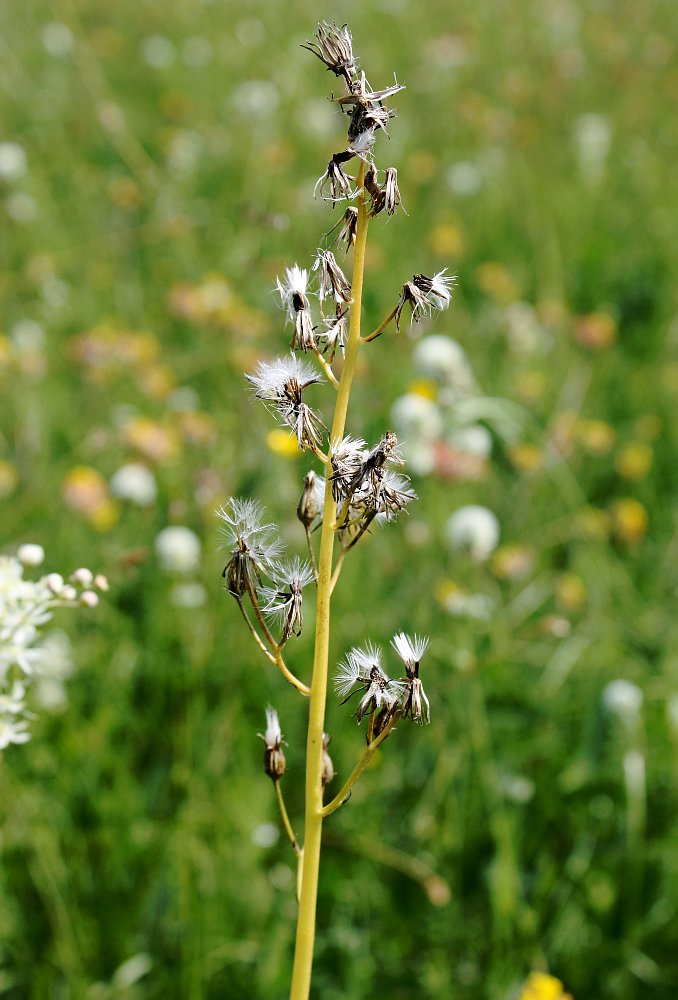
157	165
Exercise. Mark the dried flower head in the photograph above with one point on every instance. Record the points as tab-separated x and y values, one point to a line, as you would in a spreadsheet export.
425	294
281	384
254	546
391	191
349	225
333	283
274	758
282	600
312	500
340	184
347	456
362	670
366	107
414	702
335	334
334	47
293	298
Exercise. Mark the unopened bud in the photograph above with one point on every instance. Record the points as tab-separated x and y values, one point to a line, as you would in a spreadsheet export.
311	501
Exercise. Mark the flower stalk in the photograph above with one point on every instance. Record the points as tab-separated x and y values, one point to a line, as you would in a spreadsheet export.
361	486
305	937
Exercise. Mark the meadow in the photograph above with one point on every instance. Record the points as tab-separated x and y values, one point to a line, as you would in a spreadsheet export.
157	166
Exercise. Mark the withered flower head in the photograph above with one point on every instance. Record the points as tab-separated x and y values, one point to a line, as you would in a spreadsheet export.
425	294
254	546
414	702
293	299
283	600
312	500
349	227
333	283
274	758
339	183
347	457
391	191
362	670
334	47
280	384
335	334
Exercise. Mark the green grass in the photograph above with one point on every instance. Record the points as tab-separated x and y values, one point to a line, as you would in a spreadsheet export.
126	823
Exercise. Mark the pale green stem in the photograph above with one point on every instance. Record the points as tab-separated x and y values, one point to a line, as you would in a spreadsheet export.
326	368
303	953
285	818
255	634
311	553
275	648
382	326
337	569
367	756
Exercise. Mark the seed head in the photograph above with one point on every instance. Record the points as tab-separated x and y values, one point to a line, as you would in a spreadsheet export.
312	500
414	702
283	600
362	670
274	758
334	47
253	545
280	384
425	294
339	183
333	283
293	298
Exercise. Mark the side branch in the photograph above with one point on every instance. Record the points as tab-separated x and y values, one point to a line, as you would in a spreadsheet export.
367	756
380	329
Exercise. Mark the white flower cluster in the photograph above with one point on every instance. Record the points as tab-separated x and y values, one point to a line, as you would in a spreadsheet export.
28	655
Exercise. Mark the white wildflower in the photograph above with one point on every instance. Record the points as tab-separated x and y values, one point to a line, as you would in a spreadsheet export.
474	528
178	549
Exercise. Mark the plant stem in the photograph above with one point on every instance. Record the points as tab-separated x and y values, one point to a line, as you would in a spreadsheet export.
367	756
382	326
285	818
303	953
